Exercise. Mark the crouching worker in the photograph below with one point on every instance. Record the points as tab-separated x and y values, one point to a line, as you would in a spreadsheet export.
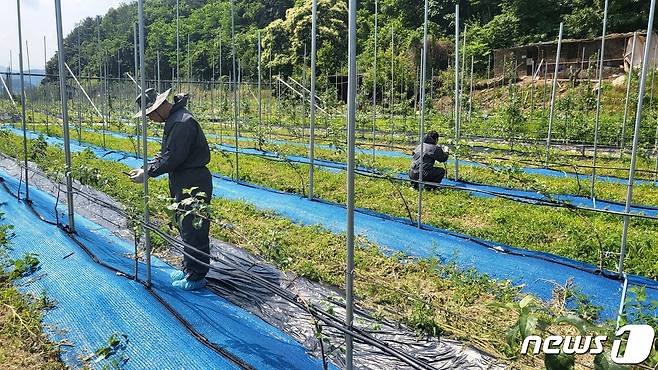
431	153
183	156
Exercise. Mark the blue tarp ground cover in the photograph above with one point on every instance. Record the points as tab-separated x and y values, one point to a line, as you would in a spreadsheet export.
525	195
397	154
92	302
537	272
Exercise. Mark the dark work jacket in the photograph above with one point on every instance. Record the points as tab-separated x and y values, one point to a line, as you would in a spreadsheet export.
431	154
184	153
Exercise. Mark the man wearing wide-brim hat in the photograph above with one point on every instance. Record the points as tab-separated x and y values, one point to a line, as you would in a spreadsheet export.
184	155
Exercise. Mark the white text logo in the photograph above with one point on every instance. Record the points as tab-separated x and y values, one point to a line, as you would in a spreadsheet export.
638	346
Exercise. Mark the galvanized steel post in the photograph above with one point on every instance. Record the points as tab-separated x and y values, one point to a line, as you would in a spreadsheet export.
554	91
351	125
636	137
311	148
65	116
597	120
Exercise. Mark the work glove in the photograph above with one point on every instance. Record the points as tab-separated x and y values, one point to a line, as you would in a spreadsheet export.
137	175
445	148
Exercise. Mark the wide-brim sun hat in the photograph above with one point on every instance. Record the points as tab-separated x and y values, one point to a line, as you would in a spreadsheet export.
153	101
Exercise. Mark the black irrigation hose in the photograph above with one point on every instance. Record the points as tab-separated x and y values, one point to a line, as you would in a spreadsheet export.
327	318
518	198
180	246
335	322
533	201
200	337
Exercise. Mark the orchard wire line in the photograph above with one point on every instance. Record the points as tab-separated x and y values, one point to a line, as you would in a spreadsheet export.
252	185
92	104
599	90
553	92
636	134
351	125
421	131
142	67
22	79
629	78
311	148
550	199
181	247
89	99
65	117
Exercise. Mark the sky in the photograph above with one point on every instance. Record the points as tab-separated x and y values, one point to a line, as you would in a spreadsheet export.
38	20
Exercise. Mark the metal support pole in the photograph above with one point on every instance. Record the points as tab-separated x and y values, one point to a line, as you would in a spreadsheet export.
45	87
20	66
421	131
629	78
532	91
65	115
189	65
260	94
457	103
392	102
470	93
137	86
213	119
374	87
177	44
489	69
235	92
29	76
636	136
221	93
311	147
597	121
157	56
142	76
351	124
270	95
655	152
552	109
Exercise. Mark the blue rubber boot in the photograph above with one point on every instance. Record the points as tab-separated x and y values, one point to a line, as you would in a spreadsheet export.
189	284
177	275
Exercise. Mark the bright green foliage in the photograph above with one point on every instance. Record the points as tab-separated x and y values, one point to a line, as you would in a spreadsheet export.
286	24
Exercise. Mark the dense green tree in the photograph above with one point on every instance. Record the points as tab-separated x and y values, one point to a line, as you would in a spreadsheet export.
285	26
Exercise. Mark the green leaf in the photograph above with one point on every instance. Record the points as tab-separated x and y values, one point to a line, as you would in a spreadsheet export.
559	362
575	321
511	335
603	362
525	301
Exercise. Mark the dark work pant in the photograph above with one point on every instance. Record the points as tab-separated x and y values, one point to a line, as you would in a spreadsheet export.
434	175
197	238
